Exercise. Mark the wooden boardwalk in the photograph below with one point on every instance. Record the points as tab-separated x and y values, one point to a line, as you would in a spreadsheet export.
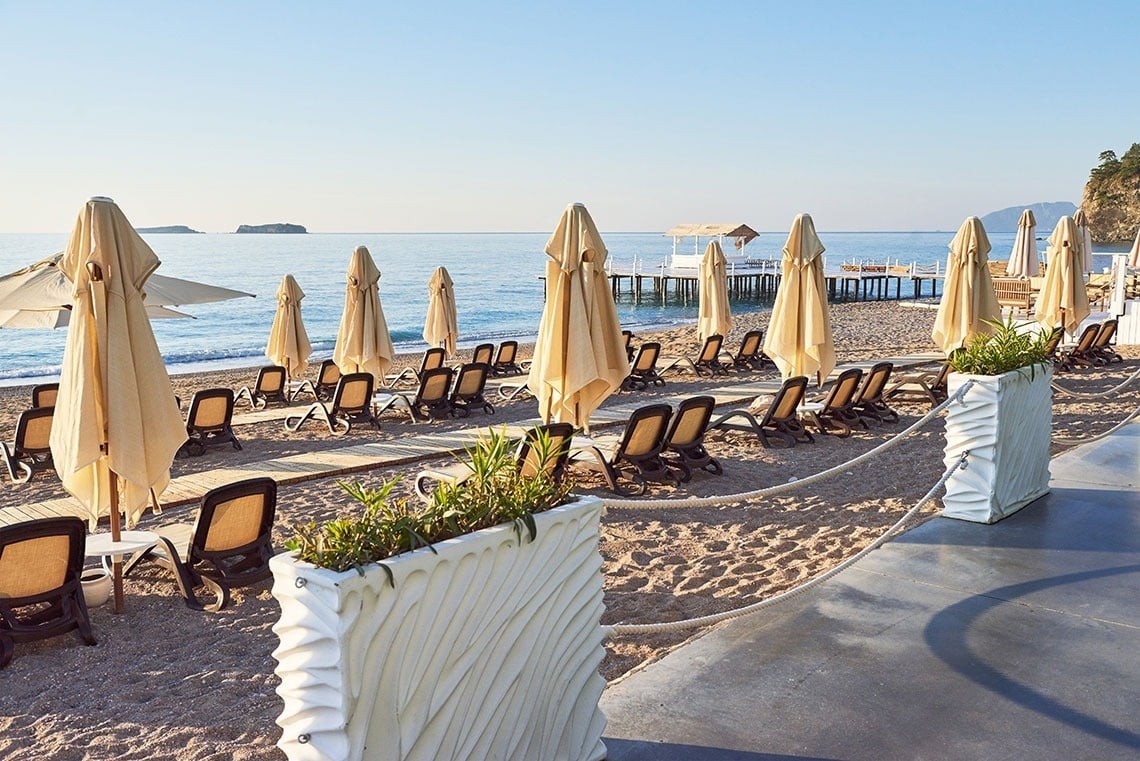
354	458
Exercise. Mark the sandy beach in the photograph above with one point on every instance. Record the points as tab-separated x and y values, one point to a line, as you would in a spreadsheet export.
166	681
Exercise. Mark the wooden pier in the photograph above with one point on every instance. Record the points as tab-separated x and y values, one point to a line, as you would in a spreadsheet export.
852	282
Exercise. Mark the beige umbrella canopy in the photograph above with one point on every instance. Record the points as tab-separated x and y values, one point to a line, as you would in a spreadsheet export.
968	298
117	426
40	295
441	328
579	357
799	336
715	317
362	342
1084	240
1023	258
1134	254
288	342
1063	300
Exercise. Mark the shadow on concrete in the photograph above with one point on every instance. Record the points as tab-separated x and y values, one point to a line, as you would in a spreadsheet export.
641	750
948	631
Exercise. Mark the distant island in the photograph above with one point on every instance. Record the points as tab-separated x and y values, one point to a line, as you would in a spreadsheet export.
1046	214
280	227
167	229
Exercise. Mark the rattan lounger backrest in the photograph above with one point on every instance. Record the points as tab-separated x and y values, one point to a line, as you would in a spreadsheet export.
507	352
877	378
646	356
233	532
471	380
750	345
483	354
33	431
44	395
787	399
692	419
353	393
1105	334
1088	338
271	380
211	409
433	358
546	448
711	350
434	385
843	392
645	432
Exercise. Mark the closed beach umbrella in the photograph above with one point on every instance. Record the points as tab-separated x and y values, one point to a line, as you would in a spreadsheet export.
117	426
968	297
362	342
715	317
1084	240
288	342
579	357
799	336
1134	254
441	328
1023	258
1063	300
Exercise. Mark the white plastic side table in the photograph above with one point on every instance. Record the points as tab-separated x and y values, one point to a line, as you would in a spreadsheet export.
130	542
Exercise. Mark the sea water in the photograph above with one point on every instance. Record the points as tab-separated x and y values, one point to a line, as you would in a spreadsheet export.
498	290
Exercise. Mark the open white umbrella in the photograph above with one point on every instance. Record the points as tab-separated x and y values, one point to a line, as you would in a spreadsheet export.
441	327
799	338
1134	254
1084	240
117	426
968	297
362	341
1023	260
579	357
288	342
714	315
1063	300
40	295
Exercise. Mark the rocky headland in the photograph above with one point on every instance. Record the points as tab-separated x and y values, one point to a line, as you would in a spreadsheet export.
1112	197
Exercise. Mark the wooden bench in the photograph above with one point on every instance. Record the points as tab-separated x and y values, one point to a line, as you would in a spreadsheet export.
1014	292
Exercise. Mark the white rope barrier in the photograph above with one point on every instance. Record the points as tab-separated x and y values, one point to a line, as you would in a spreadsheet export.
1068	440
1098	394
618	630
690	502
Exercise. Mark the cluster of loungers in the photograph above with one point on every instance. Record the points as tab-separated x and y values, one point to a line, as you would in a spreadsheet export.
1093	348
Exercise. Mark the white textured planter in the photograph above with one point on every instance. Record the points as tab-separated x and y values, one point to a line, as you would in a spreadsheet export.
486	650
1005	422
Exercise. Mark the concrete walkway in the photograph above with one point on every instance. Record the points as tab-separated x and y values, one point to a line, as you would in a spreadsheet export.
1018	640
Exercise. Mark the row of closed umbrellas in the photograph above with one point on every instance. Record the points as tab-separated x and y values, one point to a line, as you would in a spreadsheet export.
363	342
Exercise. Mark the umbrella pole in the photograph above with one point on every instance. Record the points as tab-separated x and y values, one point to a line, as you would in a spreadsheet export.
116	535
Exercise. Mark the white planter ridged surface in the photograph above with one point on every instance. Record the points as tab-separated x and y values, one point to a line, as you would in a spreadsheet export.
486	650
1005	421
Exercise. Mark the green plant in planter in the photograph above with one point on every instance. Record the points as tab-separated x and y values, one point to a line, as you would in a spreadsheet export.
497	491
1003	349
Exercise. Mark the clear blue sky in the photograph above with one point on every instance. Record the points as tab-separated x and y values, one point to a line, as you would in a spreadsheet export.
493	116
